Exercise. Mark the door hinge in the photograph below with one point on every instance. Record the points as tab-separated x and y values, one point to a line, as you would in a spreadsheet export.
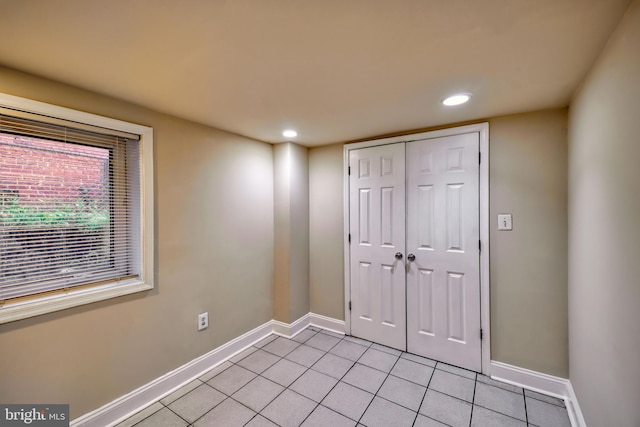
481	334
349	170
480	245
479	158
349	237
349	305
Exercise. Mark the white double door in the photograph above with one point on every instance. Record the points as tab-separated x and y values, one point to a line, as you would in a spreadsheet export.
414	252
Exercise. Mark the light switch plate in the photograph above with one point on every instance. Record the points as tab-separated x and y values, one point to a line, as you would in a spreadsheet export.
504	222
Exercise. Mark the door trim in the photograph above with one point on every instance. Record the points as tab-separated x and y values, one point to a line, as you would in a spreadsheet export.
485	306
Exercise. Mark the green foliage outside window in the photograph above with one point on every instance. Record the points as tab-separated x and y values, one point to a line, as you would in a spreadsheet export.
78	215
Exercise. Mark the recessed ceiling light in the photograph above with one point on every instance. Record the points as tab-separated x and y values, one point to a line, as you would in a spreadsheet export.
289	133
457	99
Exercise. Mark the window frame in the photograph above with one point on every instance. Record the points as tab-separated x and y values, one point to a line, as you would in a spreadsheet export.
75	296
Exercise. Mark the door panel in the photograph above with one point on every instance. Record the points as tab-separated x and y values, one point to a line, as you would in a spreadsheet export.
377	224
443	283
364	300
426	212
425	301
430	306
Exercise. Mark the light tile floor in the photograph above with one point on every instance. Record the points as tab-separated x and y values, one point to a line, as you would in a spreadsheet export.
319	378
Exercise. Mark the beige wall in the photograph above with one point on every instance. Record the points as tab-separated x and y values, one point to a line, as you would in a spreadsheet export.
528	156
528	178
299	268
214	252
291	222
326	263
604	233
282	233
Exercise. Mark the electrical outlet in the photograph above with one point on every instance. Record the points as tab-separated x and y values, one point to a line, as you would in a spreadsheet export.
203	321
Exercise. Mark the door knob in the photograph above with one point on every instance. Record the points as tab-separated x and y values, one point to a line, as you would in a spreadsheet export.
411	257
398	255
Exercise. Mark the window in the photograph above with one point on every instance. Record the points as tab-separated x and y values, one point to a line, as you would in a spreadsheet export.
75	208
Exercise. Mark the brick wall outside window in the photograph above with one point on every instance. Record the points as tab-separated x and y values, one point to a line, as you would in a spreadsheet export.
39	171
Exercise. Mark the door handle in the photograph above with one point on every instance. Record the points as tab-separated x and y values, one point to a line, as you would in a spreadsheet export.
398	255
411	257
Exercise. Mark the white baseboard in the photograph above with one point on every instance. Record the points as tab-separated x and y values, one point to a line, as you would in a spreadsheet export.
328	323
541	383
127	405
575	413
290	330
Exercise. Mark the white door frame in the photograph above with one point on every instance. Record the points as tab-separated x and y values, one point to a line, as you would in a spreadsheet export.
483	130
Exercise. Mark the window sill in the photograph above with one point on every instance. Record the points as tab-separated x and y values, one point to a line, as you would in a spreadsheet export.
11	312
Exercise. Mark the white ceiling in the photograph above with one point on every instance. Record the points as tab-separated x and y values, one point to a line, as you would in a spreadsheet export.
335	70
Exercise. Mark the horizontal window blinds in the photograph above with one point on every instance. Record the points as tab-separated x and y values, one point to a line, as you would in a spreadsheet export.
69	205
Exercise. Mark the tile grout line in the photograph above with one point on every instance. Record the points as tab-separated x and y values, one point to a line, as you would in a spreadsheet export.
544	401
271	401
380	387
229	396
181	417
334	386
257	375
452	373
526	421
356	361
385	373
388	374
526	414
424	396
189	392
285	388
226	397
181	396
473	400
133	425
501	413
259	413
454	397
352	363
506	389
